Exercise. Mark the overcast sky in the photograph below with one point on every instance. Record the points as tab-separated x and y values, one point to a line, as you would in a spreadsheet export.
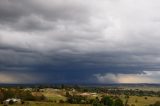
77	41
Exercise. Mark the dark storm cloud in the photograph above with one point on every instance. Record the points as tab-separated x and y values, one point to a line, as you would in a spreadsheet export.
77	41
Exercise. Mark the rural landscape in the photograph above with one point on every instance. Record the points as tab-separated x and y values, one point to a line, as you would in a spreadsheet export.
74	95
79	52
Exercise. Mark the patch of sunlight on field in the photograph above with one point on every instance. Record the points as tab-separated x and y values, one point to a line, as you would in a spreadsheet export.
54	95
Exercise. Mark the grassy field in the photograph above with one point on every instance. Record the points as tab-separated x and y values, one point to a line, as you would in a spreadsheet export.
141	100
54	95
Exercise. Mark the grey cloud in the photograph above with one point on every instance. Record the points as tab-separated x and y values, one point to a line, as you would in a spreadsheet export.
37	15
11	10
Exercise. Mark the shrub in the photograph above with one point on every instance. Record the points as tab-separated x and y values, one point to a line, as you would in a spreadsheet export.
136	101
75	99
11	102
61	101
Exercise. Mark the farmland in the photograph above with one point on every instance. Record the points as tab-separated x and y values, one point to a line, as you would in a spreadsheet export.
82	95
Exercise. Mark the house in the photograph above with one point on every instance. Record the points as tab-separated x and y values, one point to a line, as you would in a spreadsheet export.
12	100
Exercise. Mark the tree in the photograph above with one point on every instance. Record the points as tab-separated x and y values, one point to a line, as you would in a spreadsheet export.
67	94
96	103
118	102
107	101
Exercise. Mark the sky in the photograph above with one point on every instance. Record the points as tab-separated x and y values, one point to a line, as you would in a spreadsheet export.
77	41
